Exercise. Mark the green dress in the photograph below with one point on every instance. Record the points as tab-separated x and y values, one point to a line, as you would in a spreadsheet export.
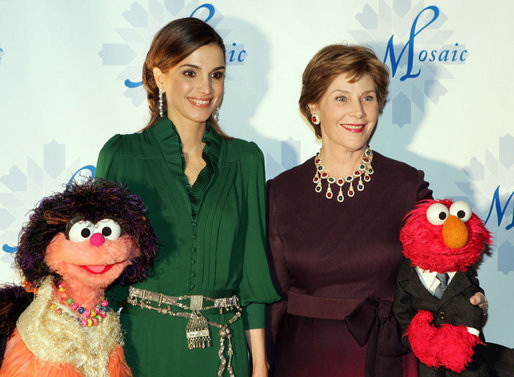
212	242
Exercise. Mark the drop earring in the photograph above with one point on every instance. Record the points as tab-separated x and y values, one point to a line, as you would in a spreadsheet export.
161	106
217	114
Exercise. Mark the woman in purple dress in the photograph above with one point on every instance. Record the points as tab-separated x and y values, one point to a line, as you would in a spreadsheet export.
337	258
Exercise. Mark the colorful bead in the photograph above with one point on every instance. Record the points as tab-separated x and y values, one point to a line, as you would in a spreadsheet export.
87	318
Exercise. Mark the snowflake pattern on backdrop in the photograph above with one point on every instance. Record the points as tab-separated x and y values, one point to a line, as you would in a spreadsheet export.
491	189
397	23
21	190
144	23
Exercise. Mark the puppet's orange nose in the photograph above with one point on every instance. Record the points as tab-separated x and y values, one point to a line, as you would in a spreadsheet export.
455	233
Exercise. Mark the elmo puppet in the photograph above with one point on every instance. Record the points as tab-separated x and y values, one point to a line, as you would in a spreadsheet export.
442	239
75	245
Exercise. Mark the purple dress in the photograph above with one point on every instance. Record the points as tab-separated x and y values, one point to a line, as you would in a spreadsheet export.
332	259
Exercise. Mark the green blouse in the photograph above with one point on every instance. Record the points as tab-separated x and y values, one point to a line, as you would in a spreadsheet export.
212	242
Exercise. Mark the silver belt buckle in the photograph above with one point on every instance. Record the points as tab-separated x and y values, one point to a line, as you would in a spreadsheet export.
196	302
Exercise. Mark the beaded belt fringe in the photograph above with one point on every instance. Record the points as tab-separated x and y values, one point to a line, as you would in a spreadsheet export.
197	329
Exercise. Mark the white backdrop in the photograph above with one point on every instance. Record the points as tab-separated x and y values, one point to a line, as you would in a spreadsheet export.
67	68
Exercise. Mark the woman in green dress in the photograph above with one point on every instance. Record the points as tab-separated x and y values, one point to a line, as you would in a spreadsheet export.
205	195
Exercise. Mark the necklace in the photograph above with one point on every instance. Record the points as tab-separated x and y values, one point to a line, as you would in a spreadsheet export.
85	317
363	172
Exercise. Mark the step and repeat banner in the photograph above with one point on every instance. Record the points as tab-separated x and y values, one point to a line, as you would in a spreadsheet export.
70	78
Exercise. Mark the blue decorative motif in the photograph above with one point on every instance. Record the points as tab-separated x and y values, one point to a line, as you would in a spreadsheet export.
493	192
145	22
417	64
1	54
20	190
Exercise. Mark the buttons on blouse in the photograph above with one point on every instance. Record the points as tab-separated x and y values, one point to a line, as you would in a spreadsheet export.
442	316
193	255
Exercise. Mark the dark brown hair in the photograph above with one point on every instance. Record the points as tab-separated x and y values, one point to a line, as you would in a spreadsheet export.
93	200
333	60
172	44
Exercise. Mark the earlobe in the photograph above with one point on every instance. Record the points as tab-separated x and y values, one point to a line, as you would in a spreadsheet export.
158	77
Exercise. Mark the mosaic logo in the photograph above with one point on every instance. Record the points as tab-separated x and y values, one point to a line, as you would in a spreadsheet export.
493	190
20	190
418	60
144	23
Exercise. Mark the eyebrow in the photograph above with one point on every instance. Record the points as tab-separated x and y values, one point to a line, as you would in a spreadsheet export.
349	92
198	67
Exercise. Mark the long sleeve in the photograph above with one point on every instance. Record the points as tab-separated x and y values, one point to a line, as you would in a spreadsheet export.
423	191
256	287
106	166
279	268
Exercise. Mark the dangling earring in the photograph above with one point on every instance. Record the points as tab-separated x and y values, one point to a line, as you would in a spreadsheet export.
161	110
315	119
217	114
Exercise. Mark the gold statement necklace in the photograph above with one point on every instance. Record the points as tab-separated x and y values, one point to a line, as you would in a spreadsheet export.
363	173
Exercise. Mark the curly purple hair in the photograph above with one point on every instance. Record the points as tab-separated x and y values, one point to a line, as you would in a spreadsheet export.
92	200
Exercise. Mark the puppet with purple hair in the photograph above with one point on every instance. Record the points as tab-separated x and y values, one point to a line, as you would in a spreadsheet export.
76	244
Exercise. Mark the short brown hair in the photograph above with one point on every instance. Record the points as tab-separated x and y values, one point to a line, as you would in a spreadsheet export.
333	60
172	44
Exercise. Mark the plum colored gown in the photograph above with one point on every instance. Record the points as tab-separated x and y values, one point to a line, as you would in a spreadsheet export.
332	259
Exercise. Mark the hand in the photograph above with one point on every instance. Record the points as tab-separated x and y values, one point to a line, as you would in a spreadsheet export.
421	334
260	371
456	347
480	300
256	343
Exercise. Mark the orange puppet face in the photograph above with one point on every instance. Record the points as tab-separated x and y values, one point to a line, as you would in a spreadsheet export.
93	254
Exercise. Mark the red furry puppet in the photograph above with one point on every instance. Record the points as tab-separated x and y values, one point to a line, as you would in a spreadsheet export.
442	239
75	245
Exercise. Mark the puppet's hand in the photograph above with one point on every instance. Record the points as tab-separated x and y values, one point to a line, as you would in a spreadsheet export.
456	346
421	334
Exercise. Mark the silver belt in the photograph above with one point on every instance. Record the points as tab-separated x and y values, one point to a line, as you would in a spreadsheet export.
197	329
196	302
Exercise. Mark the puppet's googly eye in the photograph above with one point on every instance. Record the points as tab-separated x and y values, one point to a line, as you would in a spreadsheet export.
437	214
81	231
109	228
461	210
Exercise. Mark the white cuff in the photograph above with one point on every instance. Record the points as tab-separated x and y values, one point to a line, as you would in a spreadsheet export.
473	331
